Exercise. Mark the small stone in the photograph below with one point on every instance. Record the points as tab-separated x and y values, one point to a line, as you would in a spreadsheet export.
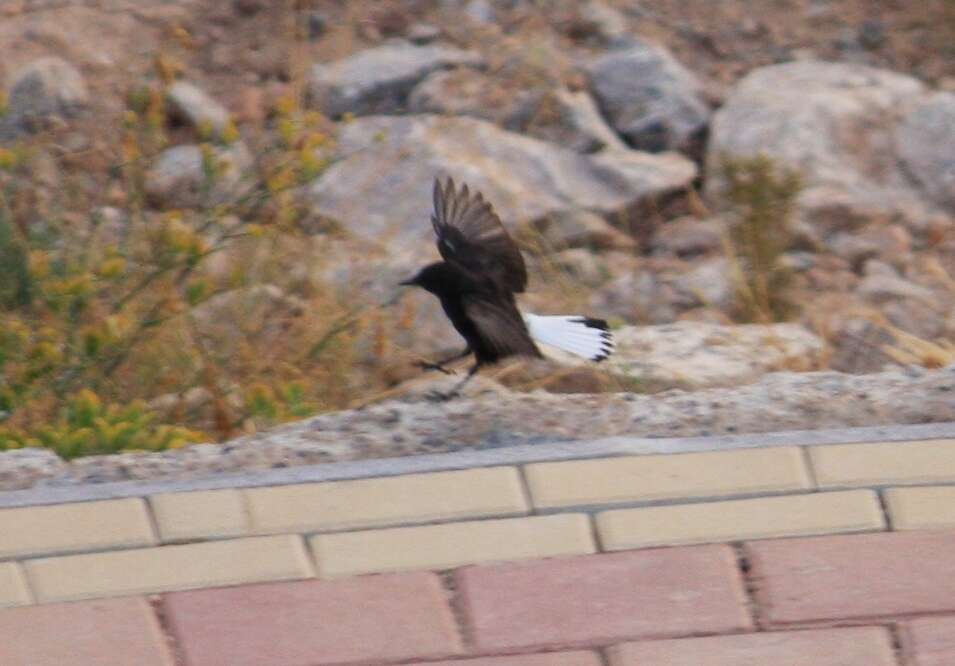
44	91
689	236
423	33
317	25
571	119
177	178
193	105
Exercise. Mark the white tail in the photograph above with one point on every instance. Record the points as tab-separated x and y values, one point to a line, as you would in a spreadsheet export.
581	336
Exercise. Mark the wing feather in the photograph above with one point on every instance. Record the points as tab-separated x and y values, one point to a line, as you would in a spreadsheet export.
500	327
471	235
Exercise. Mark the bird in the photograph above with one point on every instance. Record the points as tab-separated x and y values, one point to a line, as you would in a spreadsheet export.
481	271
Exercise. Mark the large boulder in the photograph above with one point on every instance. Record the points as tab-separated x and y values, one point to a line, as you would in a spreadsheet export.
380	189
378	80
857	134
650	98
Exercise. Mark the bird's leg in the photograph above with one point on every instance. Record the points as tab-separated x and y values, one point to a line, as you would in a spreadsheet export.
437	396
439	365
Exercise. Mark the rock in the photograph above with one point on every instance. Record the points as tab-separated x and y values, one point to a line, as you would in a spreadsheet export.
378	80
582	266
891	243
926	142
707	284
575	229
422	33
572	120
42	92
689	236
177	178
635	296
468	92
838	124
480	10
881	287
694	355
317	25
650	98
524	178
192	105
25	468
605	22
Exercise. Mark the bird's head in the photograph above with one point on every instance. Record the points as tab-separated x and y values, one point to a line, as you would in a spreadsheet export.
431	278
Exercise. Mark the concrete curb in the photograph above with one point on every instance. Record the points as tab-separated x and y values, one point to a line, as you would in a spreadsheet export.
516	455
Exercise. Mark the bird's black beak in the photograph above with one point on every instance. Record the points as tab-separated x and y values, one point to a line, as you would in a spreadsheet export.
410	282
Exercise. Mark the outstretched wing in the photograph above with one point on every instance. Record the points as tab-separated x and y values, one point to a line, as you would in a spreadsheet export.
500	329
471	235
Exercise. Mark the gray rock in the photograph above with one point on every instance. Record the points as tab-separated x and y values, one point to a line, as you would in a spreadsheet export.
576	229
891	243
838	124
42	92
707	284
926	143
178	180
481	11
193	105
378	80
881	288
650	98
423	33
25	468
694	355
468	92
572	119
689	236
382	185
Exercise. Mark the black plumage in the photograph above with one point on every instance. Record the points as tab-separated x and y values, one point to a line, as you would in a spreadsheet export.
481	271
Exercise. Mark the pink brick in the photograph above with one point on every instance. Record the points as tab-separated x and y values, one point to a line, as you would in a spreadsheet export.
930	641
861	646
857	576
391	617
548	659
108	632
598	599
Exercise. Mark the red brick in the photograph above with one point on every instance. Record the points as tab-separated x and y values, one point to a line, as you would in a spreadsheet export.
598	599
858	576
107	632
391	617
930	641
548	659
861	646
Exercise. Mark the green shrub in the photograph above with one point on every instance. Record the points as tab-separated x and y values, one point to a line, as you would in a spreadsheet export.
763	197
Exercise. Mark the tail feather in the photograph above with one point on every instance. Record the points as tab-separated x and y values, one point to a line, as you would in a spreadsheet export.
582	336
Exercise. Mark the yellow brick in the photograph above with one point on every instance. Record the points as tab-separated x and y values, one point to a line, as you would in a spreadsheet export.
451	545
150	570
199	515
928	461
921	508
387	501
643	478
13	587
761	517
42	530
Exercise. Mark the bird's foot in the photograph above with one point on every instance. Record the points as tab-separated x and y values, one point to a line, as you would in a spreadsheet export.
426	365
440	396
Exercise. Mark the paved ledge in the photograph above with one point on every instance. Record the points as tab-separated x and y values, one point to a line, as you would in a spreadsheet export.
809	549
516	455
